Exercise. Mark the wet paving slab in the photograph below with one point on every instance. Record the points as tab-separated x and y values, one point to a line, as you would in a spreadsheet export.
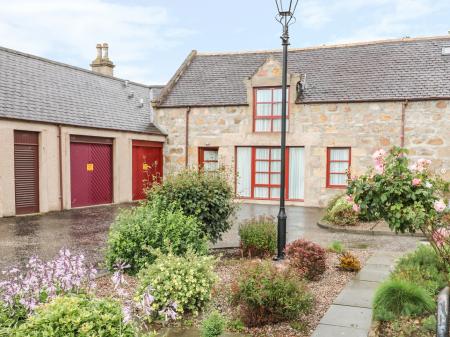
85	231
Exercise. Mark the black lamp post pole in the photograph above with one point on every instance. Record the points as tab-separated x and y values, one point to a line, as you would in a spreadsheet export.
282	217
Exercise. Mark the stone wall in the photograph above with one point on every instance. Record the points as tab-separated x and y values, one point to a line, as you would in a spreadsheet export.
365	127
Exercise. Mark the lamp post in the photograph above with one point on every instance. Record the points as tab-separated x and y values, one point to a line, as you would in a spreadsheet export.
286	17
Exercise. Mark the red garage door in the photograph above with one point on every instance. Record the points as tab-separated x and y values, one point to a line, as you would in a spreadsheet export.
91	173
26	171
147	166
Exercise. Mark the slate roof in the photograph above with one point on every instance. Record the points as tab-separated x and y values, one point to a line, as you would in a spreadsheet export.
383	70
37	89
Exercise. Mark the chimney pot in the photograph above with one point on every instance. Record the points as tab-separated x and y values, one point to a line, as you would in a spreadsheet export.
102	64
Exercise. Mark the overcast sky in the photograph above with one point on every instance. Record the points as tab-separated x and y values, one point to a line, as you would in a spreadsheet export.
150	38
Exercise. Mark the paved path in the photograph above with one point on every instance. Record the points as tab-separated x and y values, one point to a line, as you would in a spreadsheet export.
350	315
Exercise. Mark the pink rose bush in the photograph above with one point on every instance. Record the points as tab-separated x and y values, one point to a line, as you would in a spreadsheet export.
409	197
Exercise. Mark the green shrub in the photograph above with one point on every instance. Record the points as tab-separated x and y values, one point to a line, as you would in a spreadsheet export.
186	280
11	317
336	247
205	195
395	298
76	316
258	237
213	325
424	268
306	258
265	295
153	225
429	323
340	212
235	325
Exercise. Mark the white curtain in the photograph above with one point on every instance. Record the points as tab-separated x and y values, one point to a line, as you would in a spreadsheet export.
296	173
244	171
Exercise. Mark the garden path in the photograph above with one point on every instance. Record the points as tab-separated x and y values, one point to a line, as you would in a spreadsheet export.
350	315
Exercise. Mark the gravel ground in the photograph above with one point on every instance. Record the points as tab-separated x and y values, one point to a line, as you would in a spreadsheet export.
403	327
230	267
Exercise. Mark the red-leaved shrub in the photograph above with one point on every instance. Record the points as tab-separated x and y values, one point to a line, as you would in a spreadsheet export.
307	258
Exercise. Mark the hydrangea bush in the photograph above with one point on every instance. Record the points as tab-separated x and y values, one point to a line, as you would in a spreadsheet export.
408	196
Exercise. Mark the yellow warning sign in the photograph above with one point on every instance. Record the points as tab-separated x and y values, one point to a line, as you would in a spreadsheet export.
145	166
89	167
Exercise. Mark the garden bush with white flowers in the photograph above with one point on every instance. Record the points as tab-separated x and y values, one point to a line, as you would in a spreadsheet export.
407	195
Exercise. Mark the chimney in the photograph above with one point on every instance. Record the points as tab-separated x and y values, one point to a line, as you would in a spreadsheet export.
102	63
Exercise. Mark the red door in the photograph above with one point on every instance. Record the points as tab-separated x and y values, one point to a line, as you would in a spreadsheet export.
26	171
147	166
91	173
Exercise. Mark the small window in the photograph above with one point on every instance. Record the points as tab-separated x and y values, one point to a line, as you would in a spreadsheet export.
268	103
338	165
208	159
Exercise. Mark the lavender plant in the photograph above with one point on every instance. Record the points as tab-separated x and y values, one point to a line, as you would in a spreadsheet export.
142	310
22	291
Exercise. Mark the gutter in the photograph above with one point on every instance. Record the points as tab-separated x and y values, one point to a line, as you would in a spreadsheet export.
61	195
186	163
402	135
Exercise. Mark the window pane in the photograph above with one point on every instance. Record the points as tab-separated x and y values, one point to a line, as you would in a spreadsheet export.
277	109
264	95
338	179
262	153
210	155
261	192
244	171
211	166
277	94
262	166
275	179
262	178
339	154
263	109
275	193
262	125
276	125
296	173
275	154
338	167
275	166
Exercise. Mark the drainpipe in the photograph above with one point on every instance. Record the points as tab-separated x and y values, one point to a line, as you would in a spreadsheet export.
402	136
188	110
61	196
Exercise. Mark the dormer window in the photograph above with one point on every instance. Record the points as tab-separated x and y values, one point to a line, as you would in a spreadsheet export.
267	111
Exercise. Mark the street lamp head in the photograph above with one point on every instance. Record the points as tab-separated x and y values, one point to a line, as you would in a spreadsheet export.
286	10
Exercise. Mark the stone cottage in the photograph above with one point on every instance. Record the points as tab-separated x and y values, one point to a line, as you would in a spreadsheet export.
71	137
345	102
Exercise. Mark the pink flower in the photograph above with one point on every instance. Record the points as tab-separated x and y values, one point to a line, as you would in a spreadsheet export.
356	208
439	206
379	168
379	155
416	182
349	198
440	236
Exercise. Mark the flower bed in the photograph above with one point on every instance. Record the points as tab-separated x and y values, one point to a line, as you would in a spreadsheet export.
405	305
230	266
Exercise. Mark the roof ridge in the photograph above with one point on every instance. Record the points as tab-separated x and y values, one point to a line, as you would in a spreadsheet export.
62	64
330	46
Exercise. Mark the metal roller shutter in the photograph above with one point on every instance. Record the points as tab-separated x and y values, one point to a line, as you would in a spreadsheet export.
26	171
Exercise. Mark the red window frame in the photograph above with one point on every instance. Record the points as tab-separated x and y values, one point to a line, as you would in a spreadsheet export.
329	161
269	186
253	174
271	117
201	156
